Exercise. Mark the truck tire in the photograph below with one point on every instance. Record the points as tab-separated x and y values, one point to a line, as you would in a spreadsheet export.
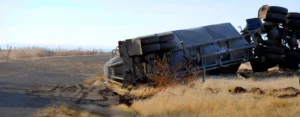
257	66
298	35
150	48
275	57
293	23
293	55
166	38
169	45
289	63
273	17
278	10
293	15
149	40
275	50
262	51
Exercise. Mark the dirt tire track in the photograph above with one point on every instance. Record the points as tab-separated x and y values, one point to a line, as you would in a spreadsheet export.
60	70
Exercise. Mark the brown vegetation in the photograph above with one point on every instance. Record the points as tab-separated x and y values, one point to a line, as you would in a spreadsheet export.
63	111
162	77
200	101
35	52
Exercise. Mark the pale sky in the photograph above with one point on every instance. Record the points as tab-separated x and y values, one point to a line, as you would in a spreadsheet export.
101	24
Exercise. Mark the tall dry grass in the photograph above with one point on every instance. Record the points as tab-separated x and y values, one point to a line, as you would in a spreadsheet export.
193	99
212	98
197	101
35	52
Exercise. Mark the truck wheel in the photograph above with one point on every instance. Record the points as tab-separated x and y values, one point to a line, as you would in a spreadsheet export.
293	15
293	23
150	48
298	35
262	51
275	50
149	40
294	55
258	66
275	57
289	63
278	10
273	17
169	45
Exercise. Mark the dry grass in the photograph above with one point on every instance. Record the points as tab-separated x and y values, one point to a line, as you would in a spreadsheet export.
140	91
63	111
186	101
35	52
196	99
94	111
3	55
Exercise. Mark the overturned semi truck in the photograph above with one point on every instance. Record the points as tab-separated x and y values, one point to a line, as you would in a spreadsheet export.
267	40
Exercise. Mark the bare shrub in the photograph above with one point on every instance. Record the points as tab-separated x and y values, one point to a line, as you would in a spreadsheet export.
161	76
165	76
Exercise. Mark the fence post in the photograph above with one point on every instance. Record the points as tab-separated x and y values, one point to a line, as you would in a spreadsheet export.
203	74
8	52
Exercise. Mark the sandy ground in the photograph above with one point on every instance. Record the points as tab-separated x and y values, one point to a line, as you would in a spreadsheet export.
60	70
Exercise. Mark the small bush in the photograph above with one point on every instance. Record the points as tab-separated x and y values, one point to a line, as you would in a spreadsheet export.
164	76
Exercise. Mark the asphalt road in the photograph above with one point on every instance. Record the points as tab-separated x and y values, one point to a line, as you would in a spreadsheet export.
60	70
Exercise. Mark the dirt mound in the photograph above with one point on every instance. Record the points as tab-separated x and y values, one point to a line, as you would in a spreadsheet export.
288	92
256	91
238	90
